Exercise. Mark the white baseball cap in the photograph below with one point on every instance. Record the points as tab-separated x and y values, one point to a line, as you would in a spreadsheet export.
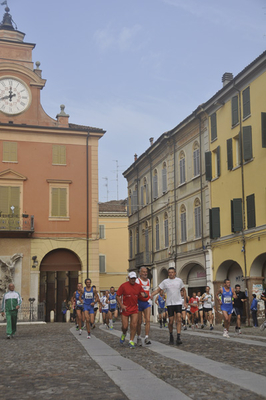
132	274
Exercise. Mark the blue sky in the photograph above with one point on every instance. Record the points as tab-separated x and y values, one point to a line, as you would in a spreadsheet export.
136	68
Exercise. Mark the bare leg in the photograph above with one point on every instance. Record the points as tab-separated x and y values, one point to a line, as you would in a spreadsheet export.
133	325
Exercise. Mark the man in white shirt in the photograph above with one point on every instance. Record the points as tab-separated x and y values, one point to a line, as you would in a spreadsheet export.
144	306
172	286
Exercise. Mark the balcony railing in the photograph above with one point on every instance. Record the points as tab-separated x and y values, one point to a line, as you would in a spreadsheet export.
16	222
144	258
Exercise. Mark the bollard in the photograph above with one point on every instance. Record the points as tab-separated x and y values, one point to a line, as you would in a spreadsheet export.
51	316
68	316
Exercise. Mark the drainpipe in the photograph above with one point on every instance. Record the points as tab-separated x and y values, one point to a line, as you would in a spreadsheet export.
87	200
151	208
175	202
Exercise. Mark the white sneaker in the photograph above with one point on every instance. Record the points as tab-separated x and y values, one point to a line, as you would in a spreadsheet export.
89	337
80	332
225	334
147	340
139	342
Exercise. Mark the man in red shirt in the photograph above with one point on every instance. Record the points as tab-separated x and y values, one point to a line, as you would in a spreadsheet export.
127	297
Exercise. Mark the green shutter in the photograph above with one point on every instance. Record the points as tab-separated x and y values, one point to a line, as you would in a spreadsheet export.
218	152
234	103
10	151
230	154
59	154
4	200
9	196
236	212
263	128
251	217
247	143
215	223
213	127
208	165
63	202
59	202
246	102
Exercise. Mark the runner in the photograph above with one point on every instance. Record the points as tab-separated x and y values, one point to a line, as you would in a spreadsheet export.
77	297
96	306
207	299
173	287
160	301
184	310
144	306
200	309
127	299
10	304
112	307
263	297
105	308
88	305
226	303
194	309
238	306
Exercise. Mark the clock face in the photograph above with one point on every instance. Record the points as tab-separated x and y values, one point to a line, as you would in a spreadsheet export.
14	96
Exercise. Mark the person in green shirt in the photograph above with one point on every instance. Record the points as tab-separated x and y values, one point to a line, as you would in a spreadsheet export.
10	305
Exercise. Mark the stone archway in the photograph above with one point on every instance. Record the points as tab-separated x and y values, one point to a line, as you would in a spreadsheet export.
194	277
163	275
58	280
257	277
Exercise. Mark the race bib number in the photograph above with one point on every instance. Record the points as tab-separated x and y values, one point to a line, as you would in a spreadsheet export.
112	301
78	302
227	300
88	295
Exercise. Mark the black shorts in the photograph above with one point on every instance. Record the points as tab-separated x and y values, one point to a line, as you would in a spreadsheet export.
239	311
174	309
207	309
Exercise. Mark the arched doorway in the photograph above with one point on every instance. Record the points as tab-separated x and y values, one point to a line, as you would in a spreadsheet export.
194	277
163	275
58	280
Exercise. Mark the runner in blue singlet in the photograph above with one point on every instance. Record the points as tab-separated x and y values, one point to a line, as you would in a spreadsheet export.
112	307
88	298
226	303
78	305
160	301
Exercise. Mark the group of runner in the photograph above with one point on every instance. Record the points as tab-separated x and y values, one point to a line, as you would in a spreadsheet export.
134	298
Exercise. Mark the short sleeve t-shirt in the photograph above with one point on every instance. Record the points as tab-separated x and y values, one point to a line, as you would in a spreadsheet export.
237	302
193	304
172	287
131	294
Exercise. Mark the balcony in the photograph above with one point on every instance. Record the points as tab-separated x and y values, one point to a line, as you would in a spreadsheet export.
16	225
143	259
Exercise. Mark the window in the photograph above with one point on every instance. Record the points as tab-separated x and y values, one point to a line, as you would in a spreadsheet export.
101	231
129	201
59	200
147	254
183	219
197	215
130	244
10	207
182	166
263	129
144	199
196	159
137	241
251	217
164	177
166	232
247	143
216	163
213	127
157	236
208	165
215	223
59	154
236	215
229	143
102	268
234	104
10	152
236	151
135	200
155	184
246	102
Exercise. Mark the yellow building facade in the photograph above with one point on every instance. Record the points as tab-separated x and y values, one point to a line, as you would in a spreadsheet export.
113	244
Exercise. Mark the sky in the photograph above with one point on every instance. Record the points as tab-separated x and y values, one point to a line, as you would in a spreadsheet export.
136	68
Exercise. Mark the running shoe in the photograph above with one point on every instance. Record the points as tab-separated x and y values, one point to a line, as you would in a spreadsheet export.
89	336
8	337
239	331
139	342
161	325
80	332
111	327
147	340
107	326
84	327
122	339
93	326
185	328
165	325
131	344
211	328
77	328
263	326
171	340
202	326
178	341
225	334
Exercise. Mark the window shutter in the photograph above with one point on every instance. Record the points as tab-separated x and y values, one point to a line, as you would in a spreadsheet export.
196	162
197	222
4	206
234	103
263	129
166	234
155	187
142	196
135	200
59	202
157	237
251	217
208	165
236	208
10	151
102	264
218	151
183	227
164	179
147	240
59	154
230	154
247	142
213	127
215	222
147	194
246	102
101	231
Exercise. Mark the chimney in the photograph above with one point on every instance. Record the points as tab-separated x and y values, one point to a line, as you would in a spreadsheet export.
151	141
62	117
135	157
227	77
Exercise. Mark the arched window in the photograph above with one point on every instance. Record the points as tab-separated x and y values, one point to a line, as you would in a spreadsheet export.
147	247
129	199
196	159
157	236
197	216
182	167
135	199
155	184
183	220
130	244
166	230
137	241
164	178
144	198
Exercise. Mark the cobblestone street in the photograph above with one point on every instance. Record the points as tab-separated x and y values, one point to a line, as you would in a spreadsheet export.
48	362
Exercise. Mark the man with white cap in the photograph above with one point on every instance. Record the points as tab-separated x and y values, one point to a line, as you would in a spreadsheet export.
127	297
